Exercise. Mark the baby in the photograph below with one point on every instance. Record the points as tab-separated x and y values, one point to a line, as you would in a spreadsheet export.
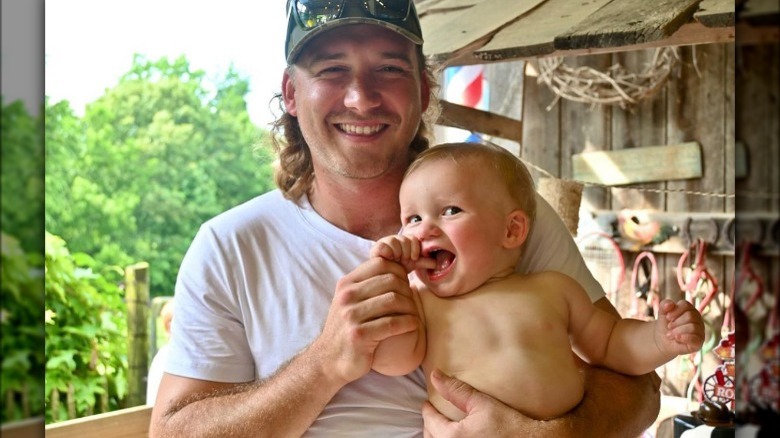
466	210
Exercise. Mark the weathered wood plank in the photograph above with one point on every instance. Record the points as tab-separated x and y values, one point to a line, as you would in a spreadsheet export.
438	6
541	128
628	22
585	127
716	13
643	125
29	428
465	30
533	34
125	423
470	119
645	164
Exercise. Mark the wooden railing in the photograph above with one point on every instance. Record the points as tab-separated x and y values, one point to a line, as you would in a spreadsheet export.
125	423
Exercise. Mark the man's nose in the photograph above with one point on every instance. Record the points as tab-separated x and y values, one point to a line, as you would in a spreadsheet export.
362	93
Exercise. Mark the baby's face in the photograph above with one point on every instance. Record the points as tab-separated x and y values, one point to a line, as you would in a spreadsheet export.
460	215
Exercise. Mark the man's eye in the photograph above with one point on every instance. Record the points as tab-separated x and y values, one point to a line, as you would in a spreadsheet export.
451	210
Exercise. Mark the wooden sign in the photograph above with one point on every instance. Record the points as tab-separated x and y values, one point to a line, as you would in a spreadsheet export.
639	165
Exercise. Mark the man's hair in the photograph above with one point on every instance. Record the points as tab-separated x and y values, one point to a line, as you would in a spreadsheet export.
510	170
293	170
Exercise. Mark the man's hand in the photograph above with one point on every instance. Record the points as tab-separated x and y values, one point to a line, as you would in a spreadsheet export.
485	416
371	303
615	405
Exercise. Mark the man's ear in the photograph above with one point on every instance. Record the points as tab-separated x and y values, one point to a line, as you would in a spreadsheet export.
288	93
517	229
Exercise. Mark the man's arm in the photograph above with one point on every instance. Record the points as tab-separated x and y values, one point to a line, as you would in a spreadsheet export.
614	405
372	303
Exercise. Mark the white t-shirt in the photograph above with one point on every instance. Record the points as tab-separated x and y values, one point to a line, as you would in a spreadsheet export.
155	374
255	287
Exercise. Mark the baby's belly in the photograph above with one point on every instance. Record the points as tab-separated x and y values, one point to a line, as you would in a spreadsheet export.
541	384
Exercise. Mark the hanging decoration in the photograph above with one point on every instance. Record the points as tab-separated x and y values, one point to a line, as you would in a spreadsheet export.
615	86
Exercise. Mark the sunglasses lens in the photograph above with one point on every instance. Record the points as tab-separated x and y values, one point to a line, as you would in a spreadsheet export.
313	13
387	9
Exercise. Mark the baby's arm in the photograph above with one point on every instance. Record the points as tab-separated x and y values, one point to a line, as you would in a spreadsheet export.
401	354
631	346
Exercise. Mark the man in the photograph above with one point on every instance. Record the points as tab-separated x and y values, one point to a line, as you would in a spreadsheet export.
280	308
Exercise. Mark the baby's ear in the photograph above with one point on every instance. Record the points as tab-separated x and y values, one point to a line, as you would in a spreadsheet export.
517	229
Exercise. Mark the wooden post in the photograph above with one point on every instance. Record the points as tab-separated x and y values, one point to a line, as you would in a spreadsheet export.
137	297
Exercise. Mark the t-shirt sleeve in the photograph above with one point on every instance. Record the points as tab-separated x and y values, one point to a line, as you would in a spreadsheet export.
550	247
208	339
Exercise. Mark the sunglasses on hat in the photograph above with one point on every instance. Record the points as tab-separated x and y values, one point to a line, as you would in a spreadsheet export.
307	18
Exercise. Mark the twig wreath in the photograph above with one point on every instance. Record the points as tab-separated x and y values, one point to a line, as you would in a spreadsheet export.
615	86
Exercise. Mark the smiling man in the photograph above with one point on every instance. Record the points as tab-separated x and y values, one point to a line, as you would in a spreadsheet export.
280	309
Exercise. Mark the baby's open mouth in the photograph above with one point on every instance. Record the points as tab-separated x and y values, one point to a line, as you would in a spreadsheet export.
443	259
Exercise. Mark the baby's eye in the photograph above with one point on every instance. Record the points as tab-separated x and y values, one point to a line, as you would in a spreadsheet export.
451	210
413	219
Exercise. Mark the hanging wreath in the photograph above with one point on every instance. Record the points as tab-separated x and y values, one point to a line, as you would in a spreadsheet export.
615	86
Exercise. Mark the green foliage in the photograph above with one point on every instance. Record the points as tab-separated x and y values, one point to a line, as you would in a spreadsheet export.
22	176
151	160
86	334
22	340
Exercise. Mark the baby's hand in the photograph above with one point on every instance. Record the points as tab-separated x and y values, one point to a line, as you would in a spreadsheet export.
679	328
404	250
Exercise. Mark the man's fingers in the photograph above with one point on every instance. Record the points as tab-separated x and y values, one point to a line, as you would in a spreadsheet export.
433	420
453	390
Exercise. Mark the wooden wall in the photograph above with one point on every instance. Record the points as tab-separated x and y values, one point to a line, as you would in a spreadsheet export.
699	103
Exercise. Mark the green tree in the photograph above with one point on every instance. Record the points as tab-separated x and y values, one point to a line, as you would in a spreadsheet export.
22	176
152	159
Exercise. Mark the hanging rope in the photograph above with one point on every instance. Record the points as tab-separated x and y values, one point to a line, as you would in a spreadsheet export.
615	86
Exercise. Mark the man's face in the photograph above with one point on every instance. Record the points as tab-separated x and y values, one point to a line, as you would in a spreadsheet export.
358	94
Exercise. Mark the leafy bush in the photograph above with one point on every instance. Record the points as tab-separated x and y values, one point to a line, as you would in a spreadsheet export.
23	358
86	341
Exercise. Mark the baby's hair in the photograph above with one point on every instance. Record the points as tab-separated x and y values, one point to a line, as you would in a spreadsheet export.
510	169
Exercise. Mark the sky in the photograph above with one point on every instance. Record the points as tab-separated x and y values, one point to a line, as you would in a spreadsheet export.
89	44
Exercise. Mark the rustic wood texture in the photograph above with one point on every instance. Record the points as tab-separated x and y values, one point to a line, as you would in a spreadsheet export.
137	298
639	165
628	22
29	428
533	34
697	105
541	128
125	423
716	13
643	124
459	116
465	30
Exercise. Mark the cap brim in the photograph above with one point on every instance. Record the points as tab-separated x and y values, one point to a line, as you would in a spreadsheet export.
308	35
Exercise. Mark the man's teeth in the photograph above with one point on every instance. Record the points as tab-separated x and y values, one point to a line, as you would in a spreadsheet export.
360	129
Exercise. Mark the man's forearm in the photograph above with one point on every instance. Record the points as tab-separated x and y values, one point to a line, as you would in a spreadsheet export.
616	404
283	405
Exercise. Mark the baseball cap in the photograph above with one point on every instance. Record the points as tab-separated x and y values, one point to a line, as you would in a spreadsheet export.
308	18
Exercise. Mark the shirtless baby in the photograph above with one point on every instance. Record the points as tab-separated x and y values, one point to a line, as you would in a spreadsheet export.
466	210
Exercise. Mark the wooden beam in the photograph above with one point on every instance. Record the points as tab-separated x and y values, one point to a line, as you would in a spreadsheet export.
29	428
628	22
692	33
716	13
535	32
470	119
125	423
464	30
638	165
